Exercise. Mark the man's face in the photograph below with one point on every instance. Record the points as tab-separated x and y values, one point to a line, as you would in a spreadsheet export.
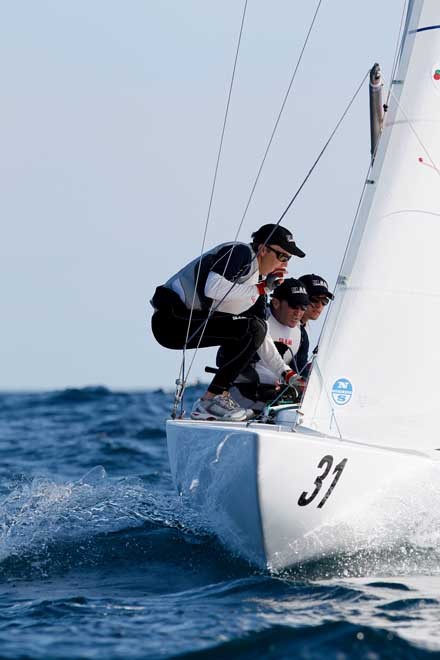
272	257
285	314
315	308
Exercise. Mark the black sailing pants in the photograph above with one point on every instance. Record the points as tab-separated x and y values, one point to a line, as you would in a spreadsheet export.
239	336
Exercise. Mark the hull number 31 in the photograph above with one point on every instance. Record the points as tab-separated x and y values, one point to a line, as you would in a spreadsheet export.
326	462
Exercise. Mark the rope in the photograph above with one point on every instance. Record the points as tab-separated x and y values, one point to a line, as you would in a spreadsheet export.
293	199
181	380
283	391
418	138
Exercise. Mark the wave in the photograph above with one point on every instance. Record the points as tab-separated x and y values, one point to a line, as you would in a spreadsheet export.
37	511
338	639
47	526
157	403
89	393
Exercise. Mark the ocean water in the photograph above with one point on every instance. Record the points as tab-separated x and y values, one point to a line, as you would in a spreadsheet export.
100	559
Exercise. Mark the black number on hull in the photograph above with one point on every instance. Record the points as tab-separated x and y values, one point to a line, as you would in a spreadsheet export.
337	472
326	461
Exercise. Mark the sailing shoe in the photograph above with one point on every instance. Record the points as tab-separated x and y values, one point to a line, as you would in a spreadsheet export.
220	407
250	414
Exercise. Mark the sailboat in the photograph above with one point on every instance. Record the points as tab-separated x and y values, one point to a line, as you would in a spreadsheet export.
282	493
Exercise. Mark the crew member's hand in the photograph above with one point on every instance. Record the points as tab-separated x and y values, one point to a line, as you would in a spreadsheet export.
294	380
271	282
276	277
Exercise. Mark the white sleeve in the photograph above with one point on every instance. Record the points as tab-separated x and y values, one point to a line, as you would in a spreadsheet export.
271	358
217	287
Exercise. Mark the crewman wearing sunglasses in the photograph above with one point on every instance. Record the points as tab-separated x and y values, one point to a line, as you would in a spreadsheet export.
219	300
319	297
258	383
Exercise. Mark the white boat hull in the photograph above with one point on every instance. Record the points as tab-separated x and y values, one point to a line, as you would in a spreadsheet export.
278	498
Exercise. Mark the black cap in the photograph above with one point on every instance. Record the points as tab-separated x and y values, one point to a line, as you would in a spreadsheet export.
293	291
277	235
316	286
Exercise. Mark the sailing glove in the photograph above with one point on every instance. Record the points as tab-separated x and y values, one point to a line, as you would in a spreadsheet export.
294	380
271	282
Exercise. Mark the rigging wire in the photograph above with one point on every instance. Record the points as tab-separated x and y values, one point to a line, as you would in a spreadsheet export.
396	59
314	360
353	226
321	153
397	52
293	199
182	370
393	72
367	179
181	380
269	144
277	121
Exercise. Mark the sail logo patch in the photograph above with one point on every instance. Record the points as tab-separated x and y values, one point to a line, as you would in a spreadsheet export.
435	77
342	391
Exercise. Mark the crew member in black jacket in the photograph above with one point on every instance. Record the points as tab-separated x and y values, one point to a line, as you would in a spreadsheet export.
218	300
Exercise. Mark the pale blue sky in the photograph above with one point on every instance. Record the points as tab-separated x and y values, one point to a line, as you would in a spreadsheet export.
109	126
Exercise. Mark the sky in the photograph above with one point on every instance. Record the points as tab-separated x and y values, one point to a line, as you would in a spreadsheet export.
110	122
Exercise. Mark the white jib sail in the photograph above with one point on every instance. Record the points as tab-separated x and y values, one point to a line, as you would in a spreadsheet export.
377	375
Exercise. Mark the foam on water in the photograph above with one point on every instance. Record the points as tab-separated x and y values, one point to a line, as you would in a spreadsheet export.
398	533
42	511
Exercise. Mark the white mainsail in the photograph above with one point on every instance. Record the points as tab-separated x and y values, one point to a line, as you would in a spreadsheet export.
377	376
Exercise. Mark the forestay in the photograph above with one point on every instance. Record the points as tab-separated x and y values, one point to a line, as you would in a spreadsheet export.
377	376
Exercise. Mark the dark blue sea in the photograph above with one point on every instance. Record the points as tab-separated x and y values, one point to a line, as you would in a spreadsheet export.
100	559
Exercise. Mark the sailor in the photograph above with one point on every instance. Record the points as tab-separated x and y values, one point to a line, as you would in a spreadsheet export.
319	297
286	309
219	300
259	383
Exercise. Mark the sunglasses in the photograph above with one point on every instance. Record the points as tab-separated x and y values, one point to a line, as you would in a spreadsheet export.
281	256
319	299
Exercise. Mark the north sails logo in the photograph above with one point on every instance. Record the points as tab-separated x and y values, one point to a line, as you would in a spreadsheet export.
342	391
